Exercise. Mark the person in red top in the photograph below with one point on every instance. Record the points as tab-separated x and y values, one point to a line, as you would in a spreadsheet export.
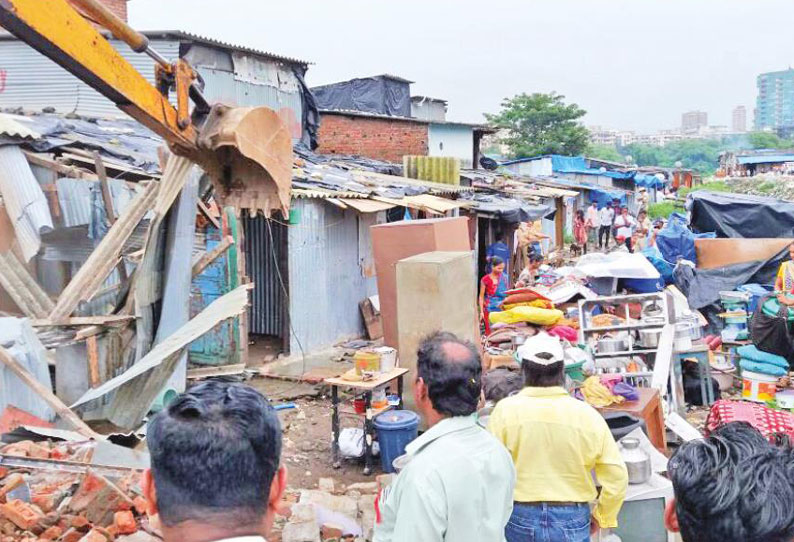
492	291
580	230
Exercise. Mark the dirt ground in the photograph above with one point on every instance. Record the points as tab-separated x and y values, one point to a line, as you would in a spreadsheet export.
307	434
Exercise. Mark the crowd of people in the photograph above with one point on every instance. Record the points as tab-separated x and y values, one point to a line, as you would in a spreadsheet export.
594	228
216	471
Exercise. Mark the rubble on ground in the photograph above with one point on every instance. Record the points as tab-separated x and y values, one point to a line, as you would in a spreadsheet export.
333	512
52	504
774	186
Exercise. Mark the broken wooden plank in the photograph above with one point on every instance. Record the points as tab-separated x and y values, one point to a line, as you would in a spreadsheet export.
223	370
63	170
46	394
103	259
83	320
223	308
208	214
212	255
92	347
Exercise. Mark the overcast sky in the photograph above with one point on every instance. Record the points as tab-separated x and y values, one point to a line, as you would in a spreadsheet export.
632	64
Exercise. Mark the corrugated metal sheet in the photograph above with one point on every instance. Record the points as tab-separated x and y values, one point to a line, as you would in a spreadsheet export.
327	275
265	254
221	86
24	200
32	81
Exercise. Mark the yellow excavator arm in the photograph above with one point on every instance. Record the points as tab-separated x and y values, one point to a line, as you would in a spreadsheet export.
246	151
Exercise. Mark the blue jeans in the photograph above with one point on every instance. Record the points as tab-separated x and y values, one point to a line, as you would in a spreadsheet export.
544	523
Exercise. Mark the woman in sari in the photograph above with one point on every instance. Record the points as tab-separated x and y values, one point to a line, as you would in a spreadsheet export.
580	230
493	288
785	279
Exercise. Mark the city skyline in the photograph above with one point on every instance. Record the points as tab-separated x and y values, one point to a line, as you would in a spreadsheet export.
632	65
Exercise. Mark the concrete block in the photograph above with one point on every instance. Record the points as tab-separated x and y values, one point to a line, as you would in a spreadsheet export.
436	291
300	532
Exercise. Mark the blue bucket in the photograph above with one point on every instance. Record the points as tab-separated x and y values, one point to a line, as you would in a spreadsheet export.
396	428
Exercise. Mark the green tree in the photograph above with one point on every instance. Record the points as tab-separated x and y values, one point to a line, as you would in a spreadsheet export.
541	124
604	152
767	140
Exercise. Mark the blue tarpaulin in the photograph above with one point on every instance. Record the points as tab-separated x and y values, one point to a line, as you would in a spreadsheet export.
676	240
648	181
602	197
765	159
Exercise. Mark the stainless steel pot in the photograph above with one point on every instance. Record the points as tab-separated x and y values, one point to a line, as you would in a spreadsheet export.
610	345
649	338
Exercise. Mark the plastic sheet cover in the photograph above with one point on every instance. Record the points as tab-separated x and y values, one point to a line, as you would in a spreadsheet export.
740	215
677	241
380	95
702	287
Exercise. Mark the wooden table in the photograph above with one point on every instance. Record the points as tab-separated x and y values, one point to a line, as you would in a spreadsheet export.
649	408
367	387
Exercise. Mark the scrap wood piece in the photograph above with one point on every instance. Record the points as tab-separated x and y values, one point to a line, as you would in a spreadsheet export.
31	299
105	257
223	370
223	308
212	255
207	212
46	394
83	320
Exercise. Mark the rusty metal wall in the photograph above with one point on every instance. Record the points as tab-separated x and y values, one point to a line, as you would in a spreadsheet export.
32	81
326	276
265	258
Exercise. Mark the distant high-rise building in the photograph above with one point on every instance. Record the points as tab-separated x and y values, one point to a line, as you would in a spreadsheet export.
739	119
775	103
692	121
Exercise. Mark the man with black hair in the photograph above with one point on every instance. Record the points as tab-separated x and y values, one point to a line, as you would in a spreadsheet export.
557	442
215	472
732	486
458	482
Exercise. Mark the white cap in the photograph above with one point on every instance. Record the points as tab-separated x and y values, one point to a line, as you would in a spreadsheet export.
542	343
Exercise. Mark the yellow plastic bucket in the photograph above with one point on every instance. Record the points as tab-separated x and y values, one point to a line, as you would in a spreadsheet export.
758	387
366	361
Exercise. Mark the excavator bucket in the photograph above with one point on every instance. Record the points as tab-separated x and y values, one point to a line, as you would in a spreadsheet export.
247	151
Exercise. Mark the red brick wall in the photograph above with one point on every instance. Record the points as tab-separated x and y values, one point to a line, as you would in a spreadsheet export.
119	7
382	139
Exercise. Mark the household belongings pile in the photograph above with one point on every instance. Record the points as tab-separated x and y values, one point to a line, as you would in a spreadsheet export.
760	373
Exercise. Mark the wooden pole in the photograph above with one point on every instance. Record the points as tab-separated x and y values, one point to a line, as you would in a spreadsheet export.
46	394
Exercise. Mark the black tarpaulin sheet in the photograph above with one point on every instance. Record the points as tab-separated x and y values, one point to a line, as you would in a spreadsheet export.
509	210
702	287
380	95
740	215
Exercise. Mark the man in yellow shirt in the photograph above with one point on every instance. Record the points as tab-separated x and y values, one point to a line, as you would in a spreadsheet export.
557	443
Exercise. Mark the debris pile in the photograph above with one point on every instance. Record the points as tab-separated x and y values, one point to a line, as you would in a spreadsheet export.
45	496
773	186
334	512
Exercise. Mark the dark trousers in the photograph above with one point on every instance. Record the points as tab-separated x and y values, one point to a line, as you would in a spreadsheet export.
604	232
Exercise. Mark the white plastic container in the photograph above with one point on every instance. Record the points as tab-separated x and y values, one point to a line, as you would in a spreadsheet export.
724	376
388	358
758	387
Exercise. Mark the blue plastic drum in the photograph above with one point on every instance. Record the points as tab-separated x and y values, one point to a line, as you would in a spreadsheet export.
396	428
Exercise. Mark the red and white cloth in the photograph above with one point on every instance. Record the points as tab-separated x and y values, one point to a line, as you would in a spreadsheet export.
769	422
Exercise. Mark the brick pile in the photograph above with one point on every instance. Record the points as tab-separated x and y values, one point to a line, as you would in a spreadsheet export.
69	507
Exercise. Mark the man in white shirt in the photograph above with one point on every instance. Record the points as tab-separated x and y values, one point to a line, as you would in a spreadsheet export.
215	473
605	218
624	227
458	483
